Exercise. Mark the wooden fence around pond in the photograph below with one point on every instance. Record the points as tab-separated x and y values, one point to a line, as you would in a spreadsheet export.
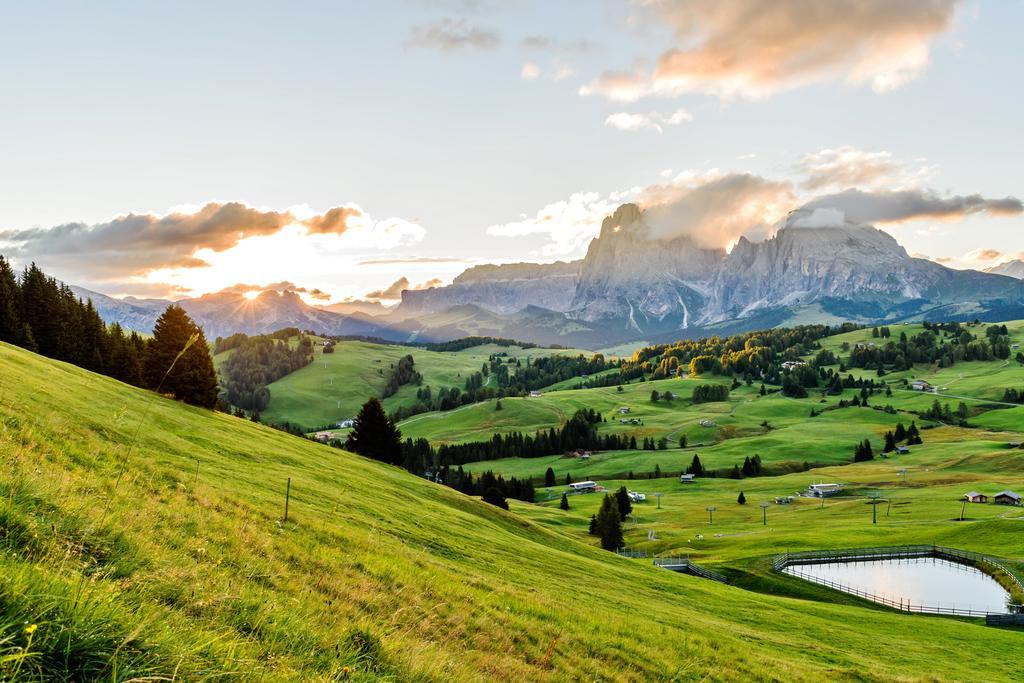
786	561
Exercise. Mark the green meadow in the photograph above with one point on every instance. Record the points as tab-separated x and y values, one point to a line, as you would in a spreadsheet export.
142	539
334	385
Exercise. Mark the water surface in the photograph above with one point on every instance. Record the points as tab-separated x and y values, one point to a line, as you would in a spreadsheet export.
927	581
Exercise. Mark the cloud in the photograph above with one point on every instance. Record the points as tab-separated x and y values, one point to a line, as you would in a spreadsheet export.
450	35
556	71
410	259
846	167
202	248
394	291
751	48
716	209
569	224
652	121
897	206
631	122
530	71
136	243
983	254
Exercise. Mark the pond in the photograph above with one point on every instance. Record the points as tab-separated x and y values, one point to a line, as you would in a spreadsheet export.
926	581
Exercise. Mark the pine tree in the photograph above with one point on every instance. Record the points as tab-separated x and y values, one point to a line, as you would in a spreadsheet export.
568	478
901	432
11	326
592	530
890	443
549	478
564	504
609	524
374	435
682	441
178	360
913	435
695	468
625	505
741	499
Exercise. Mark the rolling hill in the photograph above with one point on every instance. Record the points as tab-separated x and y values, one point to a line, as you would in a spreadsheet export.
145	538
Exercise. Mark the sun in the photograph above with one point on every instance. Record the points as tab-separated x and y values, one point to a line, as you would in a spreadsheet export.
252	295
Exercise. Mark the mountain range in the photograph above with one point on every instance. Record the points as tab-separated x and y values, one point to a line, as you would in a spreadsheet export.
632	286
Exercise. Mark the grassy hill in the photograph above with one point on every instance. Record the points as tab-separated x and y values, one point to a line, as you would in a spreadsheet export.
142	537
334	385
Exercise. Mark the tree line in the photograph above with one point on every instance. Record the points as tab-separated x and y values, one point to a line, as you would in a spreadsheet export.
258	361
43	315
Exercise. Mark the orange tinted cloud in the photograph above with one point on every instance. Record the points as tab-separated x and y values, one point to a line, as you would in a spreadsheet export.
752	48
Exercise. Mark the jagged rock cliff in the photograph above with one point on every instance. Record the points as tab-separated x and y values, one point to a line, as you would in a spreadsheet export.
629	276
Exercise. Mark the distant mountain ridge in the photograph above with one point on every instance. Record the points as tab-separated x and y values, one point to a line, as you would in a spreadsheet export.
1014	268
632	286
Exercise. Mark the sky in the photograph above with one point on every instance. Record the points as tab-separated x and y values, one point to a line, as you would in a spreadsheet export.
349	150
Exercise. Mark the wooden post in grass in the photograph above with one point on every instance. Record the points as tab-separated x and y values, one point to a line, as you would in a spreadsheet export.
287	497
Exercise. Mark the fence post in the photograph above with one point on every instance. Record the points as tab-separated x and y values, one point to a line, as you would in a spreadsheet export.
287	498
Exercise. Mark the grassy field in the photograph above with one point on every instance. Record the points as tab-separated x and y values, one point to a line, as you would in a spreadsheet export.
144	538
333	386
922	505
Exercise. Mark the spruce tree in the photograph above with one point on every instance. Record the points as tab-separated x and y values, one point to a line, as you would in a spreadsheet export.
549	478
592	530
695	468
624	503
609	524
178	360
374	435
890	443
11	327
741	499
564	503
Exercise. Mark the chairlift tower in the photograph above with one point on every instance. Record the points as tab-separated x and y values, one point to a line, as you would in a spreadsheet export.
764	513
711	514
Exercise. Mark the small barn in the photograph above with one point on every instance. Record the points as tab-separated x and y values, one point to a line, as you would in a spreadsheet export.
920	385
902	450
535	394
583	486
975	497
624	410
1006	498
686	478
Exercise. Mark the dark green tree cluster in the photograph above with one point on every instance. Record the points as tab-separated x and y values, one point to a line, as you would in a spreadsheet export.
708	393
178	361
494	489
404	373
863	452
1013	396
502	376
375	436
256	362
579	433
43	315
607	524
943	344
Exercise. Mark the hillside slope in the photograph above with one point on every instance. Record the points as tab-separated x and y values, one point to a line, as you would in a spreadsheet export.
181	566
